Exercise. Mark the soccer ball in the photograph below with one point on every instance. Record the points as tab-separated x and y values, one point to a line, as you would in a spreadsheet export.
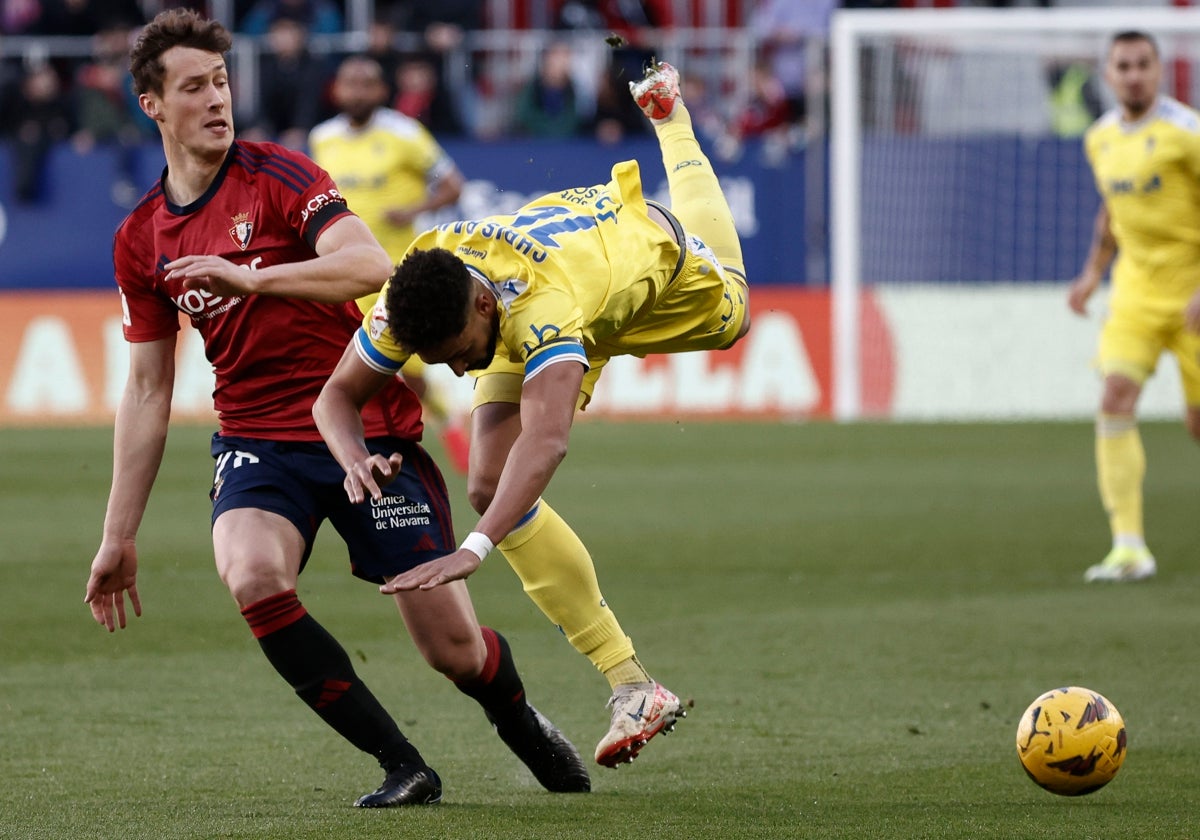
1071	741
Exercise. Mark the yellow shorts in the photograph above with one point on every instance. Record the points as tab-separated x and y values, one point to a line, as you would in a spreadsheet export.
703	308
1134	336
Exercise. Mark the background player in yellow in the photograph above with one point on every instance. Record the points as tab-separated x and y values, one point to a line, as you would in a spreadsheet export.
1145	157
390	169
538	301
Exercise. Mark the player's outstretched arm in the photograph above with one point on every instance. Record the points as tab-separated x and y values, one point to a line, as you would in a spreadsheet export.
547	412
350	264
337	412
1099	258
140	434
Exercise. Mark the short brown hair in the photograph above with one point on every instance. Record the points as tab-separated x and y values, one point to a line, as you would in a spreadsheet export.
172	28
1132	36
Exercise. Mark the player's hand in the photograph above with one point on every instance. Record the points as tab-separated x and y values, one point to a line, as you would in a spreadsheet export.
368	476
114	573
456	566
211	274
1081	291
1191	313
401	216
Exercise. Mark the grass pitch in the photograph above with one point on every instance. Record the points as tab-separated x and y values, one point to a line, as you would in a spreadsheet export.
860	613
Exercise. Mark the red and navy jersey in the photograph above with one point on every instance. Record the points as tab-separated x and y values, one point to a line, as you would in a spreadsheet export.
271	355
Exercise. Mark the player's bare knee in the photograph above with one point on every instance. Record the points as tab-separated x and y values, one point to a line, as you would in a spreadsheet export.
249	581
1120	395
247	591
480	493
458	662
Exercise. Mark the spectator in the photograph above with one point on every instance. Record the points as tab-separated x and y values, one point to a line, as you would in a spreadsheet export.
292	86
1074	100
628	18
381	46
547	105
617	115
442	23
419	96
783	30
769	109
320	17
709	122
19	16
42	117
85	17
106	111
768	116
10	90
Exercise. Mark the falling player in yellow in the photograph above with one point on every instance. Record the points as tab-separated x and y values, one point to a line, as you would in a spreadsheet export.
390	169
1145	156
537	302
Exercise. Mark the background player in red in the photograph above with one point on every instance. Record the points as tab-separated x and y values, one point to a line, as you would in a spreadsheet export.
254	243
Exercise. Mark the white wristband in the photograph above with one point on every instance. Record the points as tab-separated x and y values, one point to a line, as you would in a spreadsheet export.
478	544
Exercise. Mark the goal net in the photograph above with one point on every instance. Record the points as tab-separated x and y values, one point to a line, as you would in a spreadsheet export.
962	205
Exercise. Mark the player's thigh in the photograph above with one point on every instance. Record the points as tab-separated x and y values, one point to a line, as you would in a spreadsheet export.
704	308
1131	342
443	626
1186	349
409	525
264	514
258	553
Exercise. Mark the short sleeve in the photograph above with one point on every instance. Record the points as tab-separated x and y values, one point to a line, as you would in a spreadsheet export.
543	327
373	341
146	313
305	193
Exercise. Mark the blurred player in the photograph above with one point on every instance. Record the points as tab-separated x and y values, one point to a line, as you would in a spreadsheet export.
1145	156
390	169
254	243
558	288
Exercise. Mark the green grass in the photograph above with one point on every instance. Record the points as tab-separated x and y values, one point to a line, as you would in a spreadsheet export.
860	613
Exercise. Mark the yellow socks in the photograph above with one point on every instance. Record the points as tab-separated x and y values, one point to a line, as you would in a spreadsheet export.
624	673
696	197
1120	469
557	573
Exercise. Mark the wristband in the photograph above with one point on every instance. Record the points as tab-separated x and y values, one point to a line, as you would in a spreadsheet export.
478	544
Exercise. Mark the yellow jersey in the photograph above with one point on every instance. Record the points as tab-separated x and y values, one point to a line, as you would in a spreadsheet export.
1148	174
390	162
570	270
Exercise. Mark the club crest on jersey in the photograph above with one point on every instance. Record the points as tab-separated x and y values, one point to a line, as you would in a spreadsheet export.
241	230
379	319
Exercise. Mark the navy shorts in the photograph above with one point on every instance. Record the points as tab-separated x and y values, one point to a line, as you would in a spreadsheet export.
302	482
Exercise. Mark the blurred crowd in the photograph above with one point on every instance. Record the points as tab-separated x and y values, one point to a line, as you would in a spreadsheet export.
566	92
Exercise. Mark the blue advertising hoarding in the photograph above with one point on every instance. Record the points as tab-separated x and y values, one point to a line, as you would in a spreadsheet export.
64	240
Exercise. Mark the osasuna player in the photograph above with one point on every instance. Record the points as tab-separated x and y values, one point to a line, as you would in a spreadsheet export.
1145	156
390	169
255	245
538	301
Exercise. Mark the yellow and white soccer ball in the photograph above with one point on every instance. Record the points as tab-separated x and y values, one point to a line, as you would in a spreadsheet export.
1071	741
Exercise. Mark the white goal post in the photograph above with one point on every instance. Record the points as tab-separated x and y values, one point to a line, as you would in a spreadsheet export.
974	69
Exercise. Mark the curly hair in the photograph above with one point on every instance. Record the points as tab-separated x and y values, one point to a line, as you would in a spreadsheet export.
172	28
427	299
